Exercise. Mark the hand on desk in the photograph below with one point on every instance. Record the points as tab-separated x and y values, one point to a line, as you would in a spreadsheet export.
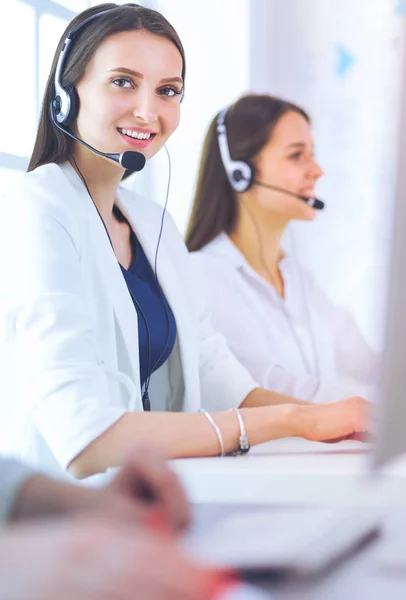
362	436
337	420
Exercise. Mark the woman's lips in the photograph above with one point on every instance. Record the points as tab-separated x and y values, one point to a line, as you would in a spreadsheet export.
135	142
309	193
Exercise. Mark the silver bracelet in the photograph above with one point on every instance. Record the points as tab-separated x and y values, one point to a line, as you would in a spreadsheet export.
243	444
216	429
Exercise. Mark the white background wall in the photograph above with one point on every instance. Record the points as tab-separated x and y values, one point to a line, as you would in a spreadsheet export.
216	37
340	60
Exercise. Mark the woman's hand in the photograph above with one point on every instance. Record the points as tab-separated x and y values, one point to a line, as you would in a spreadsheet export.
350	418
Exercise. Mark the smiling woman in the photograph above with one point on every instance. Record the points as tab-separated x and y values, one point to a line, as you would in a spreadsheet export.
110	76
100	332
108	90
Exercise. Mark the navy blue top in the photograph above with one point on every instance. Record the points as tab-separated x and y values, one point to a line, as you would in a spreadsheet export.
152	307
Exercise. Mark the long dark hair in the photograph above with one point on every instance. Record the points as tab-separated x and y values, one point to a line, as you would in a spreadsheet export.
250	122
51	145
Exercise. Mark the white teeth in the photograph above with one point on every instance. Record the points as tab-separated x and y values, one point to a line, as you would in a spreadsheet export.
136	134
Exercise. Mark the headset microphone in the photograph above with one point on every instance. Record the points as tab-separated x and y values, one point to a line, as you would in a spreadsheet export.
316	203
131	160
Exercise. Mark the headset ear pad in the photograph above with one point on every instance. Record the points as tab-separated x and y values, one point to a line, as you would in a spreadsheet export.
241	176
74	105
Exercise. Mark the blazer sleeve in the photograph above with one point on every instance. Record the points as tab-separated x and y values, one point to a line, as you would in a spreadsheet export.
13	474
224	381
45	323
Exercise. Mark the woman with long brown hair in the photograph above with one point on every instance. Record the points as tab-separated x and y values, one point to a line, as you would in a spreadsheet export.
105	339
257	174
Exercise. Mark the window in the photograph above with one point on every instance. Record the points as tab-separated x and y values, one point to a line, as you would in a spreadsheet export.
39	26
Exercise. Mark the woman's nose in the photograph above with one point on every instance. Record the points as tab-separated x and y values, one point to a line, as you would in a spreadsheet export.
316	171
145	109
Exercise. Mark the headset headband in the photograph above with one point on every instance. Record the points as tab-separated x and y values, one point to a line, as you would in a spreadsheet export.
240	173
65	103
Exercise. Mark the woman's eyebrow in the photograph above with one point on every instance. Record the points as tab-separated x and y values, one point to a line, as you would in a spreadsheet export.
141	76
301	145
128	71
172	80
296	145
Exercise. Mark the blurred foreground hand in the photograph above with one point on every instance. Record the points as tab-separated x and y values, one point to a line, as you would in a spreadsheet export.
145	491
98	558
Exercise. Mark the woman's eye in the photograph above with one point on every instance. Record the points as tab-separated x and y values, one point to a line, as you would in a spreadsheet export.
302	156
122	82
169	91
296	156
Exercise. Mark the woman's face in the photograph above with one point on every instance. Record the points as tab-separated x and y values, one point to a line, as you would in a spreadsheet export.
129	96
287	161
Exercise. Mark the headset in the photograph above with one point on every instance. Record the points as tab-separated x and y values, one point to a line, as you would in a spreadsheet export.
66	102
241	173
65	105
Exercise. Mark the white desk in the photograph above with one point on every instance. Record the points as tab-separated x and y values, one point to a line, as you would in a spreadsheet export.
360	577
292	471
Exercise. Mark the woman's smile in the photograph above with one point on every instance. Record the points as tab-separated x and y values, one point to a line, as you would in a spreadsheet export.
139	138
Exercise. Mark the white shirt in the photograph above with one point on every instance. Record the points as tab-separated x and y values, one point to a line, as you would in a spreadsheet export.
69	364
257	324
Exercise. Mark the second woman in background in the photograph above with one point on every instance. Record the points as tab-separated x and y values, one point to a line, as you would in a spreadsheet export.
257	166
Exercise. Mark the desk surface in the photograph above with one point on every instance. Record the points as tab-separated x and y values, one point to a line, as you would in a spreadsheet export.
291	471
361	577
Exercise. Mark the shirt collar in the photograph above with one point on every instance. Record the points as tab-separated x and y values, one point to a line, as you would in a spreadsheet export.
223	247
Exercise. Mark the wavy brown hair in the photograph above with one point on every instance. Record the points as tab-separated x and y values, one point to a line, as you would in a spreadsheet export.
51	145
250	123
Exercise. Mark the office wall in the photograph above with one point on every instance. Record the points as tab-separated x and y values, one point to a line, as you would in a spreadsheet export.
216	37
342	62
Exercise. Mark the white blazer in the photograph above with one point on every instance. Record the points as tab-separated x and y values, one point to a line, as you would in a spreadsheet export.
249	313
69	363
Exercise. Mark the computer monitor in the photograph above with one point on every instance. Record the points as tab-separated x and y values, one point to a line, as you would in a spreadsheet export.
391	401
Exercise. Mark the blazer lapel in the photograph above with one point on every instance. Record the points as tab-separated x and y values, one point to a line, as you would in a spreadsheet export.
109	275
